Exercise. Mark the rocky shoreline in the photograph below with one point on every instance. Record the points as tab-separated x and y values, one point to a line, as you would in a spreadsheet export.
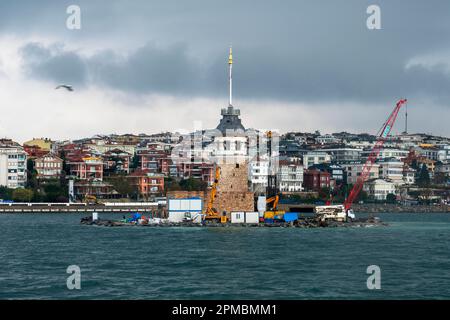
396	208
305	223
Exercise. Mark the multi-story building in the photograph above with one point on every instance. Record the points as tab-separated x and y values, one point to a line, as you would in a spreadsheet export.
13	164
391	169
354	170
48	167
336	171
378	189
429	151
315	157
147	183
99	189
86	168
386	153
290	176
443	153
409	174
314	180
291	148
442	173
258	175
101	146
197	170
155	161
116	161
343	155
327	139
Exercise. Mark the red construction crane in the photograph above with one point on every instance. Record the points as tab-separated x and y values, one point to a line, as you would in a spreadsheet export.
383	134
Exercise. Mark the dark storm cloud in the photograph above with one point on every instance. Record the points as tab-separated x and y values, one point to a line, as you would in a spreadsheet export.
148	69
290	50
54	64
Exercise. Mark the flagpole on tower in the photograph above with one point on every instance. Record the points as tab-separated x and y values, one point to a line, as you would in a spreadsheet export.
230	64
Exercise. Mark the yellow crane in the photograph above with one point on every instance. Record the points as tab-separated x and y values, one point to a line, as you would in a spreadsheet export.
211	212
272	192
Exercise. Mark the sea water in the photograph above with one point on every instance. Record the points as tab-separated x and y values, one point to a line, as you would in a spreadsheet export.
413	254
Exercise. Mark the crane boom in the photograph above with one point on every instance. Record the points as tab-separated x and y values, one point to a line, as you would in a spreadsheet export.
385	130
211	212
209	208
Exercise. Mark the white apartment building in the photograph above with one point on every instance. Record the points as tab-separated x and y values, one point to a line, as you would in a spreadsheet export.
392	170
290	176
258	175
443	153
378	189
387	153
428	152
315	157
326	139
48	167
409	175
343	155
13	165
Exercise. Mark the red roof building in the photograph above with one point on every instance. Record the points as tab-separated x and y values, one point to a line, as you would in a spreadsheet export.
314	180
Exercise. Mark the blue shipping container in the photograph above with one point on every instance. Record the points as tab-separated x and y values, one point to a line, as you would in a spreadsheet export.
290	216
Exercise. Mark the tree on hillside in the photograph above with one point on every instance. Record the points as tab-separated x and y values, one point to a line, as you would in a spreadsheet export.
22	195
5	193
192	184
423	180
54	192
134	164
171	184
122	185
391	198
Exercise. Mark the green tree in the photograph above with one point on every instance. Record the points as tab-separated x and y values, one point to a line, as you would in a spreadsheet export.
122	185
22	195
424	177
134	162
362	196
192	184
391	198
5	193
171	184
54	192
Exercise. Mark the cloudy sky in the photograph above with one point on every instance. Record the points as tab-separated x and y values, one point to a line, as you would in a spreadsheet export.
146	66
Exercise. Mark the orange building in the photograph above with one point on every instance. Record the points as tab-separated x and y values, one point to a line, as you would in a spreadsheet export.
87	168
147	183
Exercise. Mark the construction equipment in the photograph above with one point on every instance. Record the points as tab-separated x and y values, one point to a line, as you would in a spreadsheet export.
382	136
331	212
211	213
272	192
327	212
90	199
273	200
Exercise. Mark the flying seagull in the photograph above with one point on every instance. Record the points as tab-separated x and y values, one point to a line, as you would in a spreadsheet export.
65	86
